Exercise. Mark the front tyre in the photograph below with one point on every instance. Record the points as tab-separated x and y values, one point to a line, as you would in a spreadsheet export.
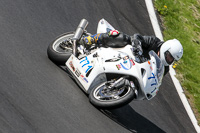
103	97
58	54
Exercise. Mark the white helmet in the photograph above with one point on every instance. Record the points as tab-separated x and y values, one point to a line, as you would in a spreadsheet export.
171	50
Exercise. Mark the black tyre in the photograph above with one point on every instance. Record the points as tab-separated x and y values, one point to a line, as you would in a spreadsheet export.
103	97
57	54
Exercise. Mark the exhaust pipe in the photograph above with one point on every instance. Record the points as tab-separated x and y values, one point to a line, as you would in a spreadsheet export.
79	31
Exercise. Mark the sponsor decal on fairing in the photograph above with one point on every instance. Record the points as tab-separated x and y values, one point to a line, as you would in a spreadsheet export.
72	66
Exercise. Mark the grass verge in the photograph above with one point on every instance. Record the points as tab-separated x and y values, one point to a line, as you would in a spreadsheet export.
181	20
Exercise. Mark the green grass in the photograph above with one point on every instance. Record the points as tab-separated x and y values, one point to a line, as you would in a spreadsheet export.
181	20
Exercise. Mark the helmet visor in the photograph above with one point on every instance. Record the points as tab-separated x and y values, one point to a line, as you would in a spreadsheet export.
169	58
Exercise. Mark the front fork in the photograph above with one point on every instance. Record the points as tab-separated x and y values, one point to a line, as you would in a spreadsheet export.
118	83
123	81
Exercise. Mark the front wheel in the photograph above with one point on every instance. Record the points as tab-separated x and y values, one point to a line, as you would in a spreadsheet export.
104	97
56	52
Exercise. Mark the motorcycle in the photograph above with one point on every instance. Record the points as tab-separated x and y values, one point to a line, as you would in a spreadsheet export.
112	77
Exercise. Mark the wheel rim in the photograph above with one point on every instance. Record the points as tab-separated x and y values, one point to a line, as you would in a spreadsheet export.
56	45
103	93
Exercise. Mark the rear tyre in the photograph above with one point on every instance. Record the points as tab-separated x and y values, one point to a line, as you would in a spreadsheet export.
103	97
56	53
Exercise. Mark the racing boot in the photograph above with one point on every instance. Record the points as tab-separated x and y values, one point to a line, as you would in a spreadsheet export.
87	41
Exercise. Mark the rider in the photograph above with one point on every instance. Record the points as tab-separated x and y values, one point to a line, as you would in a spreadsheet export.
168	51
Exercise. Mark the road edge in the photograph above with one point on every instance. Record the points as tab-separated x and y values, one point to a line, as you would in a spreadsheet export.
158	33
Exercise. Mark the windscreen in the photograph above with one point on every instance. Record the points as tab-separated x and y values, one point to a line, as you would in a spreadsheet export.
159	66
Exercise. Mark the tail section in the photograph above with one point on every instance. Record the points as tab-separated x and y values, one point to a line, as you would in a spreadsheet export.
104	26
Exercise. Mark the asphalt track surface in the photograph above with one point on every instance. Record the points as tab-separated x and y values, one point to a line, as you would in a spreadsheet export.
36	96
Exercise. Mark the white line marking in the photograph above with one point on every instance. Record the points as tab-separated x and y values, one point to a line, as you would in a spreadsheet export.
153	18
172	72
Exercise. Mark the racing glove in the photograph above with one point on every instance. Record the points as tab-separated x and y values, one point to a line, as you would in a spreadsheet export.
137	47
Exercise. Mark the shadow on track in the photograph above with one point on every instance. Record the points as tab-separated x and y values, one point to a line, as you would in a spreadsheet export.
131	120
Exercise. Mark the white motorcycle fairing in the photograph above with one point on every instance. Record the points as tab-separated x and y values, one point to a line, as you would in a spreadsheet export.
92	69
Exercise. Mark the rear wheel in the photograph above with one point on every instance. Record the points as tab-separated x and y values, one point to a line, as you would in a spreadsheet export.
60	50
104	97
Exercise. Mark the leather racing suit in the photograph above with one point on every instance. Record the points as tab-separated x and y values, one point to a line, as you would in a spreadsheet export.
119	39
